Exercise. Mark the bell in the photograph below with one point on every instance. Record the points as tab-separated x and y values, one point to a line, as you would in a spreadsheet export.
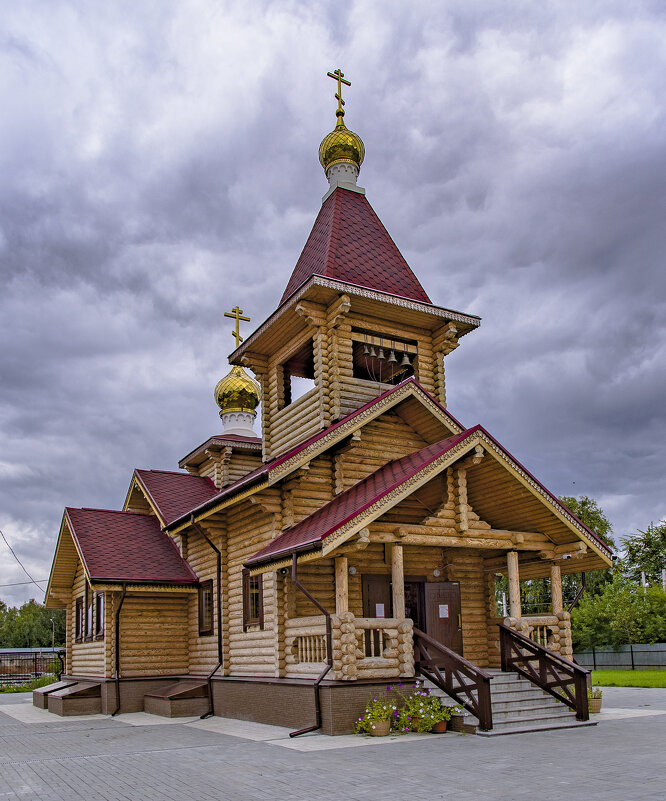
366	350
405	361
380	354
391	357
373	352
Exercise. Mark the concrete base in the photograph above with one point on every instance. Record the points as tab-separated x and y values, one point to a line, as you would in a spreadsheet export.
176	707
40	697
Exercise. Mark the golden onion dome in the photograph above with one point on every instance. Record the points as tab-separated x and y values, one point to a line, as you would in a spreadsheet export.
341	146
237	392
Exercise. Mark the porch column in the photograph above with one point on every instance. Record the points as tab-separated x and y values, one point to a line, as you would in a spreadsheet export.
514	584
398	577
341	585
556	588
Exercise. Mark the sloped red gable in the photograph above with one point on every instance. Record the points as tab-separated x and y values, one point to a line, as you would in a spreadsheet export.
127	546
174	493
349	243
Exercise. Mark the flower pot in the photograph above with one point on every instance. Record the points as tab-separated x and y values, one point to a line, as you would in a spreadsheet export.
380	728
594	705
439	727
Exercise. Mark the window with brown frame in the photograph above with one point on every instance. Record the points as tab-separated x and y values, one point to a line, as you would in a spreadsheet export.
78	620
206	608
88	614
99	615
253	600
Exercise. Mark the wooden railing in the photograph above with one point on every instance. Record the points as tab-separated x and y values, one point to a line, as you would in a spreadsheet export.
457	677
541	629
305	641
559	677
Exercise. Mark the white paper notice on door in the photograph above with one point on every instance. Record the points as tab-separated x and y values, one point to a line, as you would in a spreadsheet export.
379	610
443	610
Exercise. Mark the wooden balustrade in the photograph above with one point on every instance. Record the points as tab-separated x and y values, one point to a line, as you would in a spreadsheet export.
559	677
363	648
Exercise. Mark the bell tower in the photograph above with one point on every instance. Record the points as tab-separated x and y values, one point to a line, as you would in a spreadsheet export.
353	321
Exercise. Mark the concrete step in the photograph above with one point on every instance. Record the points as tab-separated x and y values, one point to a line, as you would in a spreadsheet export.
518	706
534	727
526	712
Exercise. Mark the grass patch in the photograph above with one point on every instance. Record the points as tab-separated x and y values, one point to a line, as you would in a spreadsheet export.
629	678
42	681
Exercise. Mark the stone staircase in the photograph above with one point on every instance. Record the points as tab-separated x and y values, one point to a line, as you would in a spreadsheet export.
518	707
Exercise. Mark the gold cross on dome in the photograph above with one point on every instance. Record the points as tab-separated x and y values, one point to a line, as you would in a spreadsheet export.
237	315
339	76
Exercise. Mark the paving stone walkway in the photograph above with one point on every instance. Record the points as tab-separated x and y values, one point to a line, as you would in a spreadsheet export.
143	758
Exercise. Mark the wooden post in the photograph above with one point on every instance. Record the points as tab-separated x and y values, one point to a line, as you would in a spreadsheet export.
514	584
341	585
556	588
398	577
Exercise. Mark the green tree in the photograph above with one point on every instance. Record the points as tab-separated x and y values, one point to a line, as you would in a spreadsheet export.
621	613
29	626
588	511
646	553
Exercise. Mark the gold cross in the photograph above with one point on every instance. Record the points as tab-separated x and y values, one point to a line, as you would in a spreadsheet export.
236	314
338	76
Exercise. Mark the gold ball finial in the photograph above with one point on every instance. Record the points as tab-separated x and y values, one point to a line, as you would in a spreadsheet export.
237	392
341	146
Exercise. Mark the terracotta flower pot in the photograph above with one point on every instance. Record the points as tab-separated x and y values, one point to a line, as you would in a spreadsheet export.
380	728
439	727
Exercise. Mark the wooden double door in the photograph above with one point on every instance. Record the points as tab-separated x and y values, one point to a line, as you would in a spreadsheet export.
434	606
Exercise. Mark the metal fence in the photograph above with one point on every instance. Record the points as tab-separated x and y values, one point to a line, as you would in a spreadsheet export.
21	666
627	657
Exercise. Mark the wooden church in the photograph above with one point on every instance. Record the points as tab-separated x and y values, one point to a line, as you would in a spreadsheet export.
285	578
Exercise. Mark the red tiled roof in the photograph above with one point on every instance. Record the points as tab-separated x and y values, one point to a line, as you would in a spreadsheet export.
173	493
263	470
352	502
127	546
349	243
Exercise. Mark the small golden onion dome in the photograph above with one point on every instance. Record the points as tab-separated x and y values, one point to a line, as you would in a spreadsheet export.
341	145
237	392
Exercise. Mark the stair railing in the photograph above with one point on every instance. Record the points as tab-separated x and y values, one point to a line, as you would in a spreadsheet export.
559	677
468	684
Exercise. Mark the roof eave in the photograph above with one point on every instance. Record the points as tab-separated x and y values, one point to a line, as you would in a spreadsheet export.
352	289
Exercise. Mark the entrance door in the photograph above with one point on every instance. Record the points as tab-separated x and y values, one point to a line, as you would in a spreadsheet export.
377	602
377	596
443	613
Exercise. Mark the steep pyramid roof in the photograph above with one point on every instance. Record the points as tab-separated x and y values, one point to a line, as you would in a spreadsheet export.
349	243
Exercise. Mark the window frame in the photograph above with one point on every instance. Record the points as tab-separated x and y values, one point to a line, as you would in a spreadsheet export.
78	619
250	619
205	587
88	614
100	607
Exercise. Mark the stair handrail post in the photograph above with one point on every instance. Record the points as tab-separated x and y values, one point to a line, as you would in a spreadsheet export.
485	705
582	705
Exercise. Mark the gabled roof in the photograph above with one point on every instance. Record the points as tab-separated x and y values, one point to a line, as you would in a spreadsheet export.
126	547
282	465
389	484
349	243
353	502
172	494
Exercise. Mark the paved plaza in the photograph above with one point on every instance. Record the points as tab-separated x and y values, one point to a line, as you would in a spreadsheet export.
140	757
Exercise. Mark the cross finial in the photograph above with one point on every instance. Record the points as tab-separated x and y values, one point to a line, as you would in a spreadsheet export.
339	76
237	315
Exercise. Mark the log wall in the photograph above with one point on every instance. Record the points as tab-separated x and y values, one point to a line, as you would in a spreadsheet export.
86	658
153	639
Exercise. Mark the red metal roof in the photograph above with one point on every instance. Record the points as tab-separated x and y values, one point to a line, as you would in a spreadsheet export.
173	494
352	502
127	546
349	243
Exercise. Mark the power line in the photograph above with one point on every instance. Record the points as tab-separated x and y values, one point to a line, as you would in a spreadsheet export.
21	583
19	561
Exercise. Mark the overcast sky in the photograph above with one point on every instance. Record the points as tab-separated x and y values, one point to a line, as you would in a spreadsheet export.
158	166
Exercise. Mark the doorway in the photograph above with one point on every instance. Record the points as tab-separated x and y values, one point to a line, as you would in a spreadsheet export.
433	606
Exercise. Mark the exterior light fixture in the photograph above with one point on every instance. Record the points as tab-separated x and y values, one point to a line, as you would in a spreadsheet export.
352	570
